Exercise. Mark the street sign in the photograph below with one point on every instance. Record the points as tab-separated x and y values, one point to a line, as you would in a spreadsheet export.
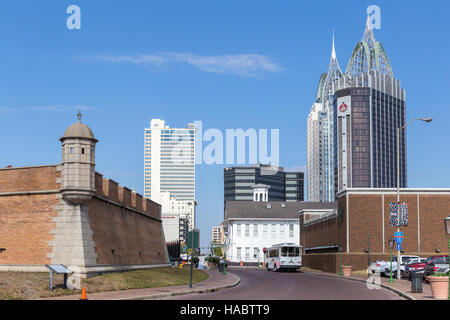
399	247
398	234
194	239
398	240
398	214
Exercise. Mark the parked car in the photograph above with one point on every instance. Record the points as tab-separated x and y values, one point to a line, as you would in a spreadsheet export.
419	267
381	265
440	264
402	267
416	260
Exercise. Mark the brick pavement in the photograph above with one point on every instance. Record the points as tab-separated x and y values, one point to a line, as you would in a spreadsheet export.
216	281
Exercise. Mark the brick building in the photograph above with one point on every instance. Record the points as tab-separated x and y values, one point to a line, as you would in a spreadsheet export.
362	218
69	214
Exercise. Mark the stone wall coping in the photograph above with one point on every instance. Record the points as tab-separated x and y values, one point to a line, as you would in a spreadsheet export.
30	167
26	193
393	191
119	204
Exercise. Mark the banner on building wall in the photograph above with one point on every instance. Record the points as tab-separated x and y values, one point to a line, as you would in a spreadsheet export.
399	214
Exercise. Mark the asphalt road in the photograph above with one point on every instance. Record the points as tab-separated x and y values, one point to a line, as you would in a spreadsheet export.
259	284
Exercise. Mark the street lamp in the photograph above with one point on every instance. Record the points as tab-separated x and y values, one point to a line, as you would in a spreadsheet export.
447	233
391	243
398	179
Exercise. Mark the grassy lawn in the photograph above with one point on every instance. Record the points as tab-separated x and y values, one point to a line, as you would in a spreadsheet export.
22	285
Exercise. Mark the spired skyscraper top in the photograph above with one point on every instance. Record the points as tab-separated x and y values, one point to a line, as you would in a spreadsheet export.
320	166
368	55
351	126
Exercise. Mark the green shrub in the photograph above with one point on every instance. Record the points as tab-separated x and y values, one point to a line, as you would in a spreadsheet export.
212	259
440	274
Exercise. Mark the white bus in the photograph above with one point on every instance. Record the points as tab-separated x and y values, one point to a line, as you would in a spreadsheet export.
283	256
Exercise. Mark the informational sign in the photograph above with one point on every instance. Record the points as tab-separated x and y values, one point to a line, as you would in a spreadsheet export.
399	214
399	247
58	268
194	239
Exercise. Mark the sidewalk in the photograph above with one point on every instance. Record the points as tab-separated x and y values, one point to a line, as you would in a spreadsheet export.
402	287
216	281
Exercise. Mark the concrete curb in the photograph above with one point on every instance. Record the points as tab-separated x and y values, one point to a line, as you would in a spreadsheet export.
399	292
181	293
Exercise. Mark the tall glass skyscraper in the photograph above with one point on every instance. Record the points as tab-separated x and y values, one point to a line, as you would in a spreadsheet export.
352	124
320	132
369	109
169	163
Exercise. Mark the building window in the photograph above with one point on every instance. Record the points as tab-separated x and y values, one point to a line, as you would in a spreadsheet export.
238	230
238	253
265	230
247	254
291	230
281	230
247	230
256	253
273	230
255	230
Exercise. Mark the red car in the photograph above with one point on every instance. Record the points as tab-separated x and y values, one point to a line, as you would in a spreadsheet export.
419	267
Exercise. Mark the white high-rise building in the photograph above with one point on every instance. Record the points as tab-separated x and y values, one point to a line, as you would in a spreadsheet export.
320	132
169	163
177	217
314	169
215	235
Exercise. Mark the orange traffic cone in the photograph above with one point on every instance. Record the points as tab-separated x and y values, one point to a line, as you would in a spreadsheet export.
83	294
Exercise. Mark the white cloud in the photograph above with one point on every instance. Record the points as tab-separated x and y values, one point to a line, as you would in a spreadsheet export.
246	65
49	108
7	109
59	107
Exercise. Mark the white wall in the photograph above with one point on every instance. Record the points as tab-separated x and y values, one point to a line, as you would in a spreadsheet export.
262	240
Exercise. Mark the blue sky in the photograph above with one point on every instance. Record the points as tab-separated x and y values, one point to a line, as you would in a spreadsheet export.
231	64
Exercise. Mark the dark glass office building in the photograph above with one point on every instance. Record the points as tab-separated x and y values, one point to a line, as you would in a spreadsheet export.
369	105
284	186
366	134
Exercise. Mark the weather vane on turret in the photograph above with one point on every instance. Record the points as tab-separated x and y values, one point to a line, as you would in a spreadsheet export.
79	115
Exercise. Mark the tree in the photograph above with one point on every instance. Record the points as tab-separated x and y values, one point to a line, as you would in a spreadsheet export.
218	251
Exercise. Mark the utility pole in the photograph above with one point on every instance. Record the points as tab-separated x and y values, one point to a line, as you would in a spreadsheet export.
368	254
398	185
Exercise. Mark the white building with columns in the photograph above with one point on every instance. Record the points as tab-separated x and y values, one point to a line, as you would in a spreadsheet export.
252	226
261	192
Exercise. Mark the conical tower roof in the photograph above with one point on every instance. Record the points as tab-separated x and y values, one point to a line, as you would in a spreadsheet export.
368	55
334	73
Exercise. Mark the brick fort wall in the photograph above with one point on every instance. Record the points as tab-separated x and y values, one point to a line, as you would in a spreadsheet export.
126	227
